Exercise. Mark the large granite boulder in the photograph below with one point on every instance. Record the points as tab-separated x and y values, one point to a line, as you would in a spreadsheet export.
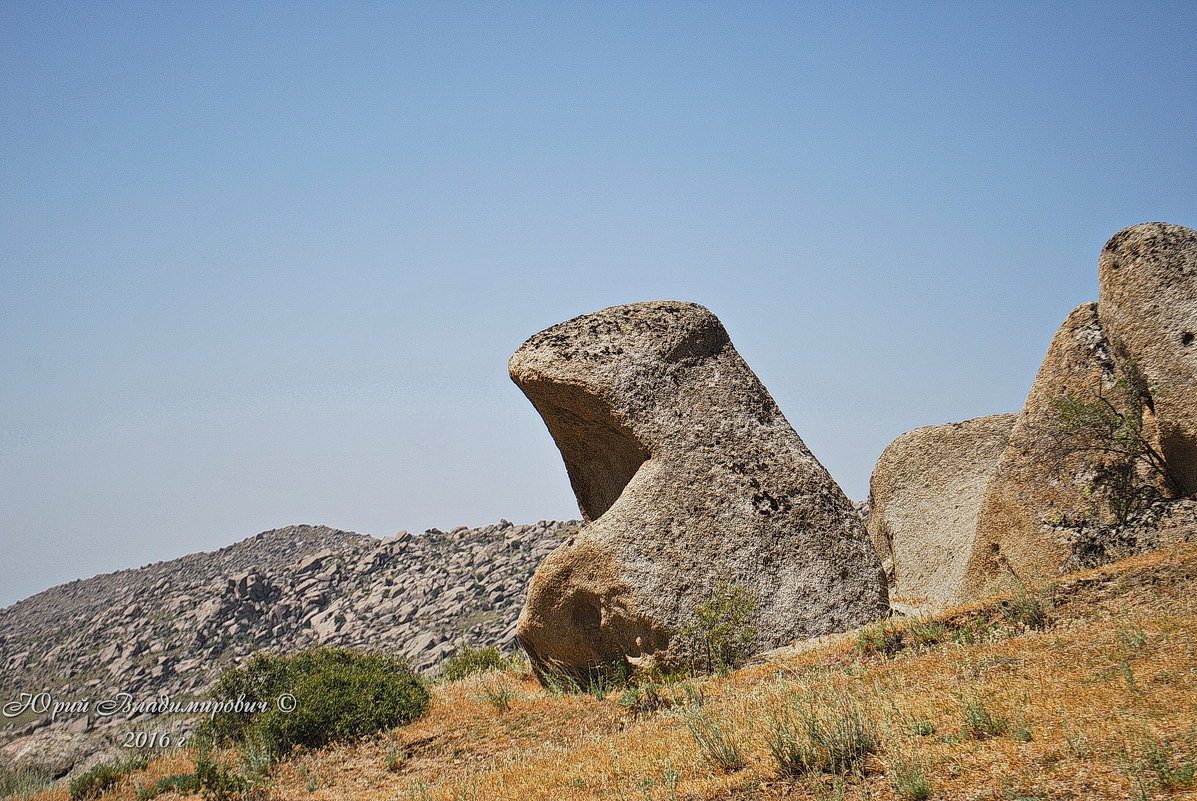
687	475
1148	309
1062	472
925	495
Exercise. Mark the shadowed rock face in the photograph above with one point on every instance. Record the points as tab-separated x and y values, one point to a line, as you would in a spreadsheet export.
687	474
925	494
1148	308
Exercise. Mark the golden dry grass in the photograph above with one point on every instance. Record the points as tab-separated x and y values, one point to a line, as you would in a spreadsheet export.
1101	704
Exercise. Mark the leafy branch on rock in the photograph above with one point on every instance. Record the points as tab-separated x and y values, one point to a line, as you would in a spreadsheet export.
1111	423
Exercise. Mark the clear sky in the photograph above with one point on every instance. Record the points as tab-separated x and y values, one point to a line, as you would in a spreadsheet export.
264	263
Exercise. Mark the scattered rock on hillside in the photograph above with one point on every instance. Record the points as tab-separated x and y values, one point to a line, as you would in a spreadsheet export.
57	752
687	474
172	627
1164	523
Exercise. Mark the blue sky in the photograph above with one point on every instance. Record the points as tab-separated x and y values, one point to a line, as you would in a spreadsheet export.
264	264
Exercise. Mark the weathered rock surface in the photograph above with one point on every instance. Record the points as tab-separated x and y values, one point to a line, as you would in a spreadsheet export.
1048	481
1148	308
1161	524
172	627
925	495
57	752
687	474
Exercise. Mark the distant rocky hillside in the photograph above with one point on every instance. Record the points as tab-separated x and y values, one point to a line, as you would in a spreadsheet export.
171	627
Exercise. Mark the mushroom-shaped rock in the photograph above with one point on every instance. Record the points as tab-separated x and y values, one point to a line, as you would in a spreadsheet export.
688	476
925	494
1148	308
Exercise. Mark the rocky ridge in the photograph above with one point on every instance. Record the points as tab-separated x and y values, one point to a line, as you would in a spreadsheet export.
172	627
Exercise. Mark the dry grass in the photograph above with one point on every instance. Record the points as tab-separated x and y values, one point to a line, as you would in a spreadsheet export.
1099	703
174	762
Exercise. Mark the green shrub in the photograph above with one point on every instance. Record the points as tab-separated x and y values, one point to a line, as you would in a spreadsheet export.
396	759
926	632
181	783
1021	731
644	700
213	779
1131	633
96	780
217	781
922	728
879	639
500	696
256	755
469	661
912	784
598	680
1030	605
1110	422
976	631
721	636
316	697
1172	771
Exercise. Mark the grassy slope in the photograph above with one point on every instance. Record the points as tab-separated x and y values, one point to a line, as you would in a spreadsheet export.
1106	693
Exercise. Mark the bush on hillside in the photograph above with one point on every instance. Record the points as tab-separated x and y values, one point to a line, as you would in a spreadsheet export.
721	637
315	697
98	779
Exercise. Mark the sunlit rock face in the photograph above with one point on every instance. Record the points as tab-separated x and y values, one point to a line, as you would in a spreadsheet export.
1147	304
925	495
